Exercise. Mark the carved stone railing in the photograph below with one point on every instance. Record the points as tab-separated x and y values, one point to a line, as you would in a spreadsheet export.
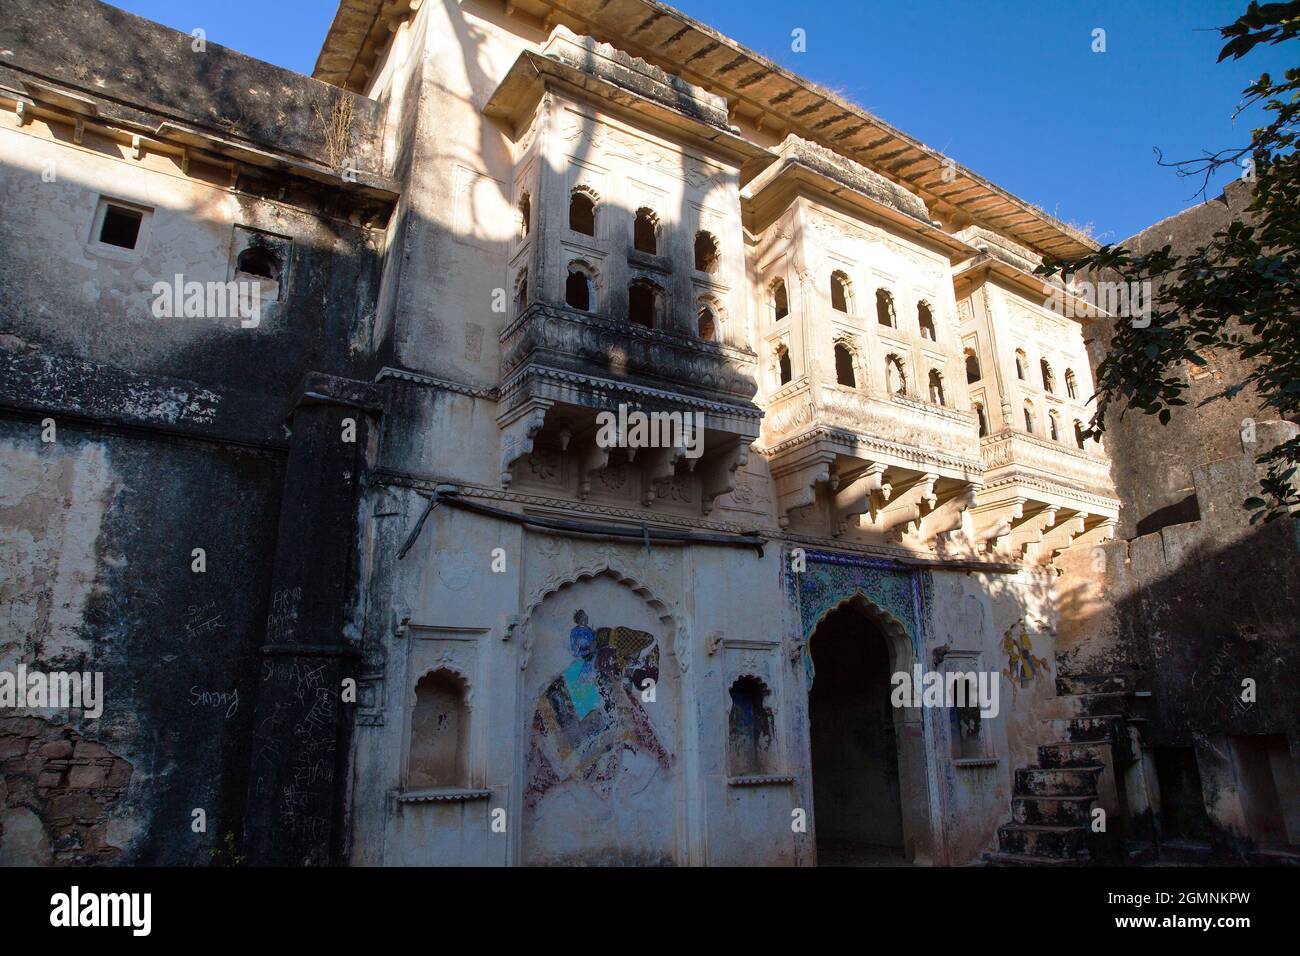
1071	467
589	344
562	367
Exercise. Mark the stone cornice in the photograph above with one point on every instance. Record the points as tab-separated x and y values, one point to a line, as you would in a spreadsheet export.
920	457
432	381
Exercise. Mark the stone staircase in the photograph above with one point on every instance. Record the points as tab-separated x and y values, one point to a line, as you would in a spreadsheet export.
1094	721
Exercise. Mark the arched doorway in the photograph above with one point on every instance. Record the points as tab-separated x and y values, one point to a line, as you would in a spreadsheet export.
855	742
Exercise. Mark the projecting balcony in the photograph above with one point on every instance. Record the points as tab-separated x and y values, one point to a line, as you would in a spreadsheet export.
1041	497
561	367
862	463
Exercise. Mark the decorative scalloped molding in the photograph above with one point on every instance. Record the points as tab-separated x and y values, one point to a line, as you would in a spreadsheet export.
431	381
570	577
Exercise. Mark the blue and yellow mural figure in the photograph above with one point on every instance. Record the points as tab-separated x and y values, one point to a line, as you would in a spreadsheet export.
591	714
1023	668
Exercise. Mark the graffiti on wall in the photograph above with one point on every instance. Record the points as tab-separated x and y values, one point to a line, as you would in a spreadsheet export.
591	714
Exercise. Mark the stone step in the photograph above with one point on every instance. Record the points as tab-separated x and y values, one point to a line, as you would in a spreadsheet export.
1020	859
1092	683
1074	754
1063	782
1131	704
1043	840
1088	729
1053	811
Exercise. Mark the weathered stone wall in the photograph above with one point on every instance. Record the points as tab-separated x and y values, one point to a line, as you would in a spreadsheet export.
1153	464
151	74
169	433
1192	599
324	560
98	529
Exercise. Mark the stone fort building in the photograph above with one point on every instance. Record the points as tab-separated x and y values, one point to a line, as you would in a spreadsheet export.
365	581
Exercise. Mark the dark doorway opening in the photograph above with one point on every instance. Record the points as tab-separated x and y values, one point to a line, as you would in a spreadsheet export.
1270	789
858	812
1182	807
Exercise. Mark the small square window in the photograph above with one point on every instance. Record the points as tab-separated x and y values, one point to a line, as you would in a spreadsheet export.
121	227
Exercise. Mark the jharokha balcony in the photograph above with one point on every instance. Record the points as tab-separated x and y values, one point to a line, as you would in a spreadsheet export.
562	366
1041	497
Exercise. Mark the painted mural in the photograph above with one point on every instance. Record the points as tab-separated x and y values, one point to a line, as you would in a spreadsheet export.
592	712
1023	668
600	758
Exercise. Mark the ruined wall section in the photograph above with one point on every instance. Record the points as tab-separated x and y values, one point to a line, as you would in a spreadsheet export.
1153	462
157	76
1193	600
131	437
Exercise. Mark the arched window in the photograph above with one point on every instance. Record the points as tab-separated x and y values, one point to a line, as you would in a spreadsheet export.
525	215
983	420
259	261
1053	426
839	292
645	231
643	303
1029	417
1078	433
895	377
1071	384
706	252
582	212
749	728
521	292
973	374
780	301
925	319
784	373
844	373
1022	365
439	733
707	323
1049	380
578	287
885	308
936	387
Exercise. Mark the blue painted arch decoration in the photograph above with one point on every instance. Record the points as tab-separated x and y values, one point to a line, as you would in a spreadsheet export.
903	593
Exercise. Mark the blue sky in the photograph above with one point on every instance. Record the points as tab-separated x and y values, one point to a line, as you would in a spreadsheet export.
1011	89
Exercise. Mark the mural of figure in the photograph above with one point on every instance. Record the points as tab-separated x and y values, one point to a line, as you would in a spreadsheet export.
589	721
1023	668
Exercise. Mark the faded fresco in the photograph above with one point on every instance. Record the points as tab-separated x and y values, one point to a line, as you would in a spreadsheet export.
1023	668
600	752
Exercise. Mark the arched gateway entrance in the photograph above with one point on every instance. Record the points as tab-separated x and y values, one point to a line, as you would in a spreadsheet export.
874	784
855	746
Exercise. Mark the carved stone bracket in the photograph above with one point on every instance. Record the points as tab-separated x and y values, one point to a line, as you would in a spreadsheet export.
718	471
910	498
593	458
948	514
796	479
864	493
517	435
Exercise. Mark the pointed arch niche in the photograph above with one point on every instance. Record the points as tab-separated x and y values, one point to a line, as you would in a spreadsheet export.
597	639
890	603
